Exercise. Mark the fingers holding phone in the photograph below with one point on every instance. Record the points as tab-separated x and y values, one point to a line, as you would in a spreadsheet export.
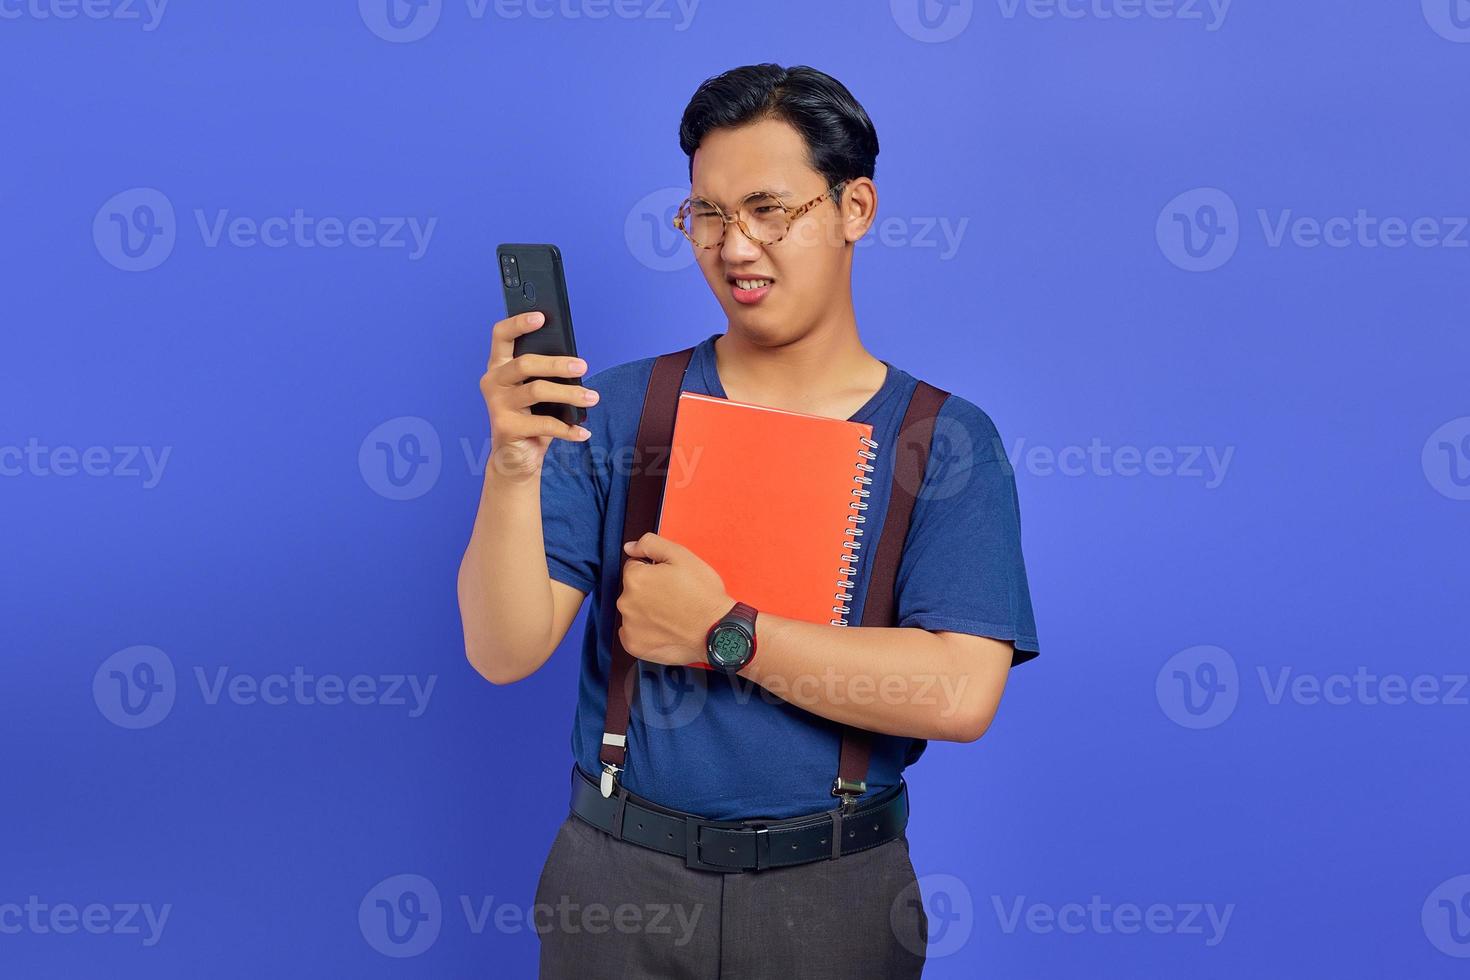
515	384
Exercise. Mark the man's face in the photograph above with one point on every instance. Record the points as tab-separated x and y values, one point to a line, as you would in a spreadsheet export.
807	269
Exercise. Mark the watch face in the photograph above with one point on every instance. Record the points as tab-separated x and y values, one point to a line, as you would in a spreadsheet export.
729	645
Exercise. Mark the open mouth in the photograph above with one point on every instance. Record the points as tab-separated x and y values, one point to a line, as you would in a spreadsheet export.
750	289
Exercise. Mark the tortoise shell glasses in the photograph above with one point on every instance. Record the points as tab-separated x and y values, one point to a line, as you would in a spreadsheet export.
762	216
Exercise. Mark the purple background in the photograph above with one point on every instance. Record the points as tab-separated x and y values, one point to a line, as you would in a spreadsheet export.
1067	303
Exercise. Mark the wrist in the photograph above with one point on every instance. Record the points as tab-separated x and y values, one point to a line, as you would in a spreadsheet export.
730	642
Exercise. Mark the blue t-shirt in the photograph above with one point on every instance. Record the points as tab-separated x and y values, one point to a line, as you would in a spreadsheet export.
726	748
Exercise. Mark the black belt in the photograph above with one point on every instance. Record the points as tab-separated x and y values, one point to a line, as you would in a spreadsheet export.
742	845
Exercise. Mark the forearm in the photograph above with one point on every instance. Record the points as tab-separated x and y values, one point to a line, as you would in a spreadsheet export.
896	681
505	599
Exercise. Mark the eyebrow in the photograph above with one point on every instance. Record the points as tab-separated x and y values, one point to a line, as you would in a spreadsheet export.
773	191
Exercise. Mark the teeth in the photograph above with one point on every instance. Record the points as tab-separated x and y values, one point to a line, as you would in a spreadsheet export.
752	283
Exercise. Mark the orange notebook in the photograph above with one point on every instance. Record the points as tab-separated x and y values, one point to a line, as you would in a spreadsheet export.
772	499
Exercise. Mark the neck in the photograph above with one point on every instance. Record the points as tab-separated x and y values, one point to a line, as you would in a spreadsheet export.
825	371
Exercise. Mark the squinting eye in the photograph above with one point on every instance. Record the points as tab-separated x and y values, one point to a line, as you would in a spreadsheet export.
767	208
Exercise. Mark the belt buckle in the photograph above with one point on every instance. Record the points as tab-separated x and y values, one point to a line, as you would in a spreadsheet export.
692	857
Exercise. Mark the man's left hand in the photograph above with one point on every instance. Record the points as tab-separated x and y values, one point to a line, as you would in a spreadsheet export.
670	599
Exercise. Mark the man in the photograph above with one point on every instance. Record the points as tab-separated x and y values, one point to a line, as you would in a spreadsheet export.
781	172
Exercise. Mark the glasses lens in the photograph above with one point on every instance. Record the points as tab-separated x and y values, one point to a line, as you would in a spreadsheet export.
765	217
702	222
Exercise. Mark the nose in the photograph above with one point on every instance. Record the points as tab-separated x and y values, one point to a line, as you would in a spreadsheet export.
736	248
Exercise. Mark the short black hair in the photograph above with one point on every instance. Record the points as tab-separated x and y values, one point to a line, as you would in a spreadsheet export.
840	139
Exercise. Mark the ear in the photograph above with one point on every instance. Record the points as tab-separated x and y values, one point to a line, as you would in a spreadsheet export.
859	207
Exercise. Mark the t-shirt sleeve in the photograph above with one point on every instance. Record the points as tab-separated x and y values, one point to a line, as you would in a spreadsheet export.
962	568
572	505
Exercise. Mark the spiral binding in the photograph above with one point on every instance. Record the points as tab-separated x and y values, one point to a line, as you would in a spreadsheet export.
848	572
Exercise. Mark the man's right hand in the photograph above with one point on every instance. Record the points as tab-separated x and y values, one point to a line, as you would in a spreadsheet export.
518	438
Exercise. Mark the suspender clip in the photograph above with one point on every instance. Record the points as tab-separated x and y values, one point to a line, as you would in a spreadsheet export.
609	779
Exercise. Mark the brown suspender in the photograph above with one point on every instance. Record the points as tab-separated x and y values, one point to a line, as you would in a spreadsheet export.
645	494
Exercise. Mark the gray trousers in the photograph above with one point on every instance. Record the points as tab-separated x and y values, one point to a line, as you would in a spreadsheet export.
611	910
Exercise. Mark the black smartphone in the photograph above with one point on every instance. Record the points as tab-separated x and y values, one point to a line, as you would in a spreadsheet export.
534	280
